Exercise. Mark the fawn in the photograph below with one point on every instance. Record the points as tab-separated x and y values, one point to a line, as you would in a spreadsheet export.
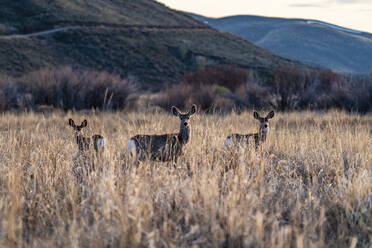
164	147
85	142
260	137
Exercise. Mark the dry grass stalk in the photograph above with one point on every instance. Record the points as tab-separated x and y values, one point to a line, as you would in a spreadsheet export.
309	184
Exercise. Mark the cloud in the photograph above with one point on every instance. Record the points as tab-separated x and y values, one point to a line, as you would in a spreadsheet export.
307	5
328	3
312	3
352	1
365	10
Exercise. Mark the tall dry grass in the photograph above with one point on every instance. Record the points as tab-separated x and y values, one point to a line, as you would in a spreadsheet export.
309	185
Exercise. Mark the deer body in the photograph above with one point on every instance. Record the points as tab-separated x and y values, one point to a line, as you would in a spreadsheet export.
260	137
164	147
84	143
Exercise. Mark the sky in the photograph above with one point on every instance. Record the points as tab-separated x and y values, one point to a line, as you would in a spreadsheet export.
353	14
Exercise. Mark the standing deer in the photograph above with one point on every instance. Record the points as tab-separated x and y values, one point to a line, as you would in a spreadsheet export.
260	137
164	147
85	142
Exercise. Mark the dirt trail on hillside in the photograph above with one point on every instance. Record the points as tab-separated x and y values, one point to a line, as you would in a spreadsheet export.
67	25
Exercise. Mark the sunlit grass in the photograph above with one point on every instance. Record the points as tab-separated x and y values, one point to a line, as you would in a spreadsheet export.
309	185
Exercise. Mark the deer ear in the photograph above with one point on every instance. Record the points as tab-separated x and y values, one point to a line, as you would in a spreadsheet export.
270	115
71	122
256	115
175	111
84	123
193	110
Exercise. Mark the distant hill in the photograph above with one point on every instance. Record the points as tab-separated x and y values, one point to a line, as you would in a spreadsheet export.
141	39
309	41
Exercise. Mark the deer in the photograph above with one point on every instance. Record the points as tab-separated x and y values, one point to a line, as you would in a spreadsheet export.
163	147
84	143
260	137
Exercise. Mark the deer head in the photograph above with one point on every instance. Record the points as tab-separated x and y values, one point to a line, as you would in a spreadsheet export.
264	121
77	129
184	117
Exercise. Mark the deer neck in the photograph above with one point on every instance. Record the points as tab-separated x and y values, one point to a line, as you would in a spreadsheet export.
78	137
82	141
262	135
184	134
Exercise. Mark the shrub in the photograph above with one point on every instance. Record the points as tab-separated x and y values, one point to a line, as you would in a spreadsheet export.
288	86
229	77
361	90
68	89
13	96
255	96
182	96
224	89
212	89
177	95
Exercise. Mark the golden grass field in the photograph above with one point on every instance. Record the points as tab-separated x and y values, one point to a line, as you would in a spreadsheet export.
309	185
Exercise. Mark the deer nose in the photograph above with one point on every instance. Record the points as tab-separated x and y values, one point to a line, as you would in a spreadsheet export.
265	125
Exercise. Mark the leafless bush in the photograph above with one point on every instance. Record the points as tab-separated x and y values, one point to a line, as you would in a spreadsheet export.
361	90
212	89
326	90
229	77
183	95
79	89
283	90
68	89
288	87
177	95
13	96
255	96
206	88
2	101
322	89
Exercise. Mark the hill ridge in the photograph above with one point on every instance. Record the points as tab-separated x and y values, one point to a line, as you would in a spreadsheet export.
313	42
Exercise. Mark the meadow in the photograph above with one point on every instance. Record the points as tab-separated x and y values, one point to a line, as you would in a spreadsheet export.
308	185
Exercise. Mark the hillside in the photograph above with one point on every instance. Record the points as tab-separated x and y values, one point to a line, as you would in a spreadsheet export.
141	39
26	16
309	41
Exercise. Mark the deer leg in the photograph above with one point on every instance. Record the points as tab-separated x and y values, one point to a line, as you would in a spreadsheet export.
174	161
137	162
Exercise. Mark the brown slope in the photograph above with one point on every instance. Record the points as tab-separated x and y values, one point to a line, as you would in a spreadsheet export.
154	48
24	16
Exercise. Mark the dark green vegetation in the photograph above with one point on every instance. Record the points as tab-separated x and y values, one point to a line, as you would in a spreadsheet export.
142	39
316	44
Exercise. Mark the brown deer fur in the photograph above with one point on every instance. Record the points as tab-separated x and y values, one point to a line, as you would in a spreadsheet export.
83	142
164	147
260	137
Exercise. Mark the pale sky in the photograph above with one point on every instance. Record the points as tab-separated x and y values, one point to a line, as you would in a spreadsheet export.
354	14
